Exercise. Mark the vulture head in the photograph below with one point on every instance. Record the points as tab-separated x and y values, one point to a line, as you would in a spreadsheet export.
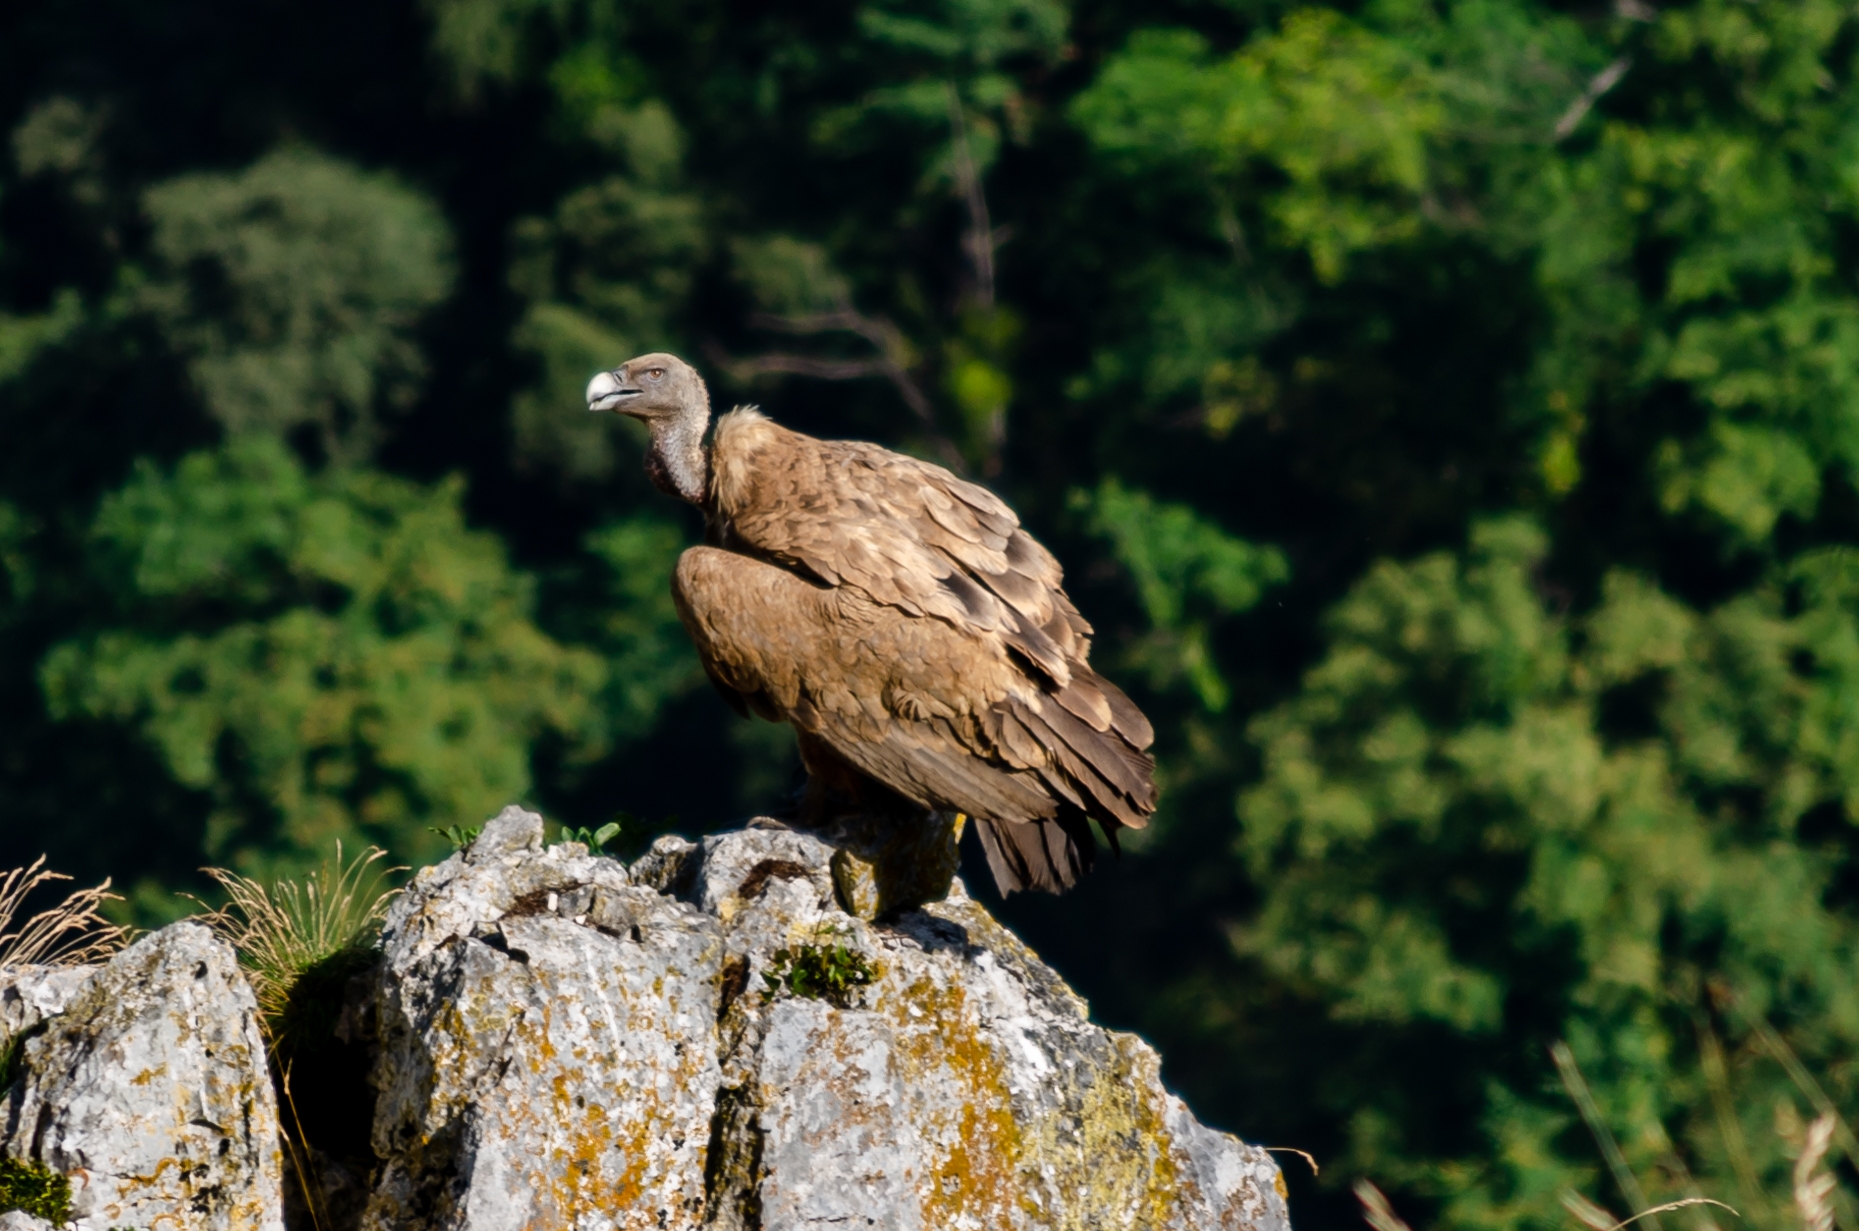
669	397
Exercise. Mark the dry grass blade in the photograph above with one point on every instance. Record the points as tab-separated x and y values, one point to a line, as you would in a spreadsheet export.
1303	1154
1376	1211
283	929
1587	1213
1723	1106
1804	1081
1679	1204
72	933
1778	1049
301	1159
1583	1098
1813	1184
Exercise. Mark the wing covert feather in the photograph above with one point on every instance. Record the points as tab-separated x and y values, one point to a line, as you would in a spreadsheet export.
908	533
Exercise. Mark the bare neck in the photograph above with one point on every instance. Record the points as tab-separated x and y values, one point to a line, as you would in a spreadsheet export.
675	462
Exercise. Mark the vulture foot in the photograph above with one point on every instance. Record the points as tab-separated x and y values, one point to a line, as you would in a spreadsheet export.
884	865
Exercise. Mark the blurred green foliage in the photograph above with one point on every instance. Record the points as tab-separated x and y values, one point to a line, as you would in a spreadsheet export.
1187	573
331	657
292	288
1446	410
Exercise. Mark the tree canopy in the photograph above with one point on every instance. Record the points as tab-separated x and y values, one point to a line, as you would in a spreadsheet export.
1447	412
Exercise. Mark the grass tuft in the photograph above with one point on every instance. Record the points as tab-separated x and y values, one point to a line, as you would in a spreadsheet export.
1376	1211
289	929
300	943
1813	1183
72	933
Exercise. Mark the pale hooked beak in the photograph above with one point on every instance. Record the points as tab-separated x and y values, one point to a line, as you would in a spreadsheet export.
607	391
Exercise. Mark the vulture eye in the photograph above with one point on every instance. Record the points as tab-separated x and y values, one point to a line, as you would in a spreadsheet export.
655	374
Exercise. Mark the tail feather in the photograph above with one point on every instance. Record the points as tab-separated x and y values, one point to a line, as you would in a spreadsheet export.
1048	855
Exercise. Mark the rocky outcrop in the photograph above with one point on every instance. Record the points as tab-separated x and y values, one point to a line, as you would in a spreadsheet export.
144	1081
715	1038
568	1043
28	996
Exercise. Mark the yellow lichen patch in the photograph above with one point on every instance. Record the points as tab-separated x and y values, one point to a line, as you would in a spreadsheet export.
1124	1158
153	1177
600	1128
584	1154
589	1170
974	1143
1099	1154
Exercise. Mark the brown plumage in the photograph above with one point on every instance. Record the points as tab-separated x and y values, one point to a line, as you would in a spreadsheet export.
899	618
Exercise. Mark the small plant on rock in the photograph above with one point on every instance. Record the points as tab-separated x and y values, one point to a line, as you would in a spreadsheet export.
624	837
35	1189
460	836
594	839
818	971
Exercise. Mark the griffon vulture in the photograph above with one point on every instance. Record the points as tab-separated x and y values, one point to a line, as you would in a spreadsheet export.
900	620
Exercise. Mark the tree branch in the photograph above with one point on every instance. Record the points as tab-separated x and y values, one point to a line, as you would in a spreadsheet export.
783	363
980	237
1604	81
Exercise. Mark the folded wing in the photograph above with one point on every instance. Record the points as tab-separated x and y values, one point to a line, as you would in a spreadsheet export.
929	686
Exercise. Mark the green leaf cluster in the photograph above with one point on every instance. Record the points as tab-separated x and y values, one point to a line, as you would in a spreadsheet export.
1187	574
814	971
460	836
594	839
340	647
294	287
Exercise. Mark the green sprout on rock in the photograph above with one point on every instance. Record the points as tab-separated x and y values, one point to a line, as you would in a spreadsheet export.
594	839
826	972
460	836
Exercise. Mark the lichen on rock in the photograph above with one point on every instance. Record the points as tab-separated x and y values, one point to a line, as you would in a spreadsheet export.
566	1043
546	1054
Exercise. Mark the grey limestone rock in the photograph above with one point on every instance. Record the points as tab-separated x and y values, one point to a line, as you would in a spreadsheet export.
664	866
546	1044
738	865
965	1087
567	1043
19	1220
146	1084
30	994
